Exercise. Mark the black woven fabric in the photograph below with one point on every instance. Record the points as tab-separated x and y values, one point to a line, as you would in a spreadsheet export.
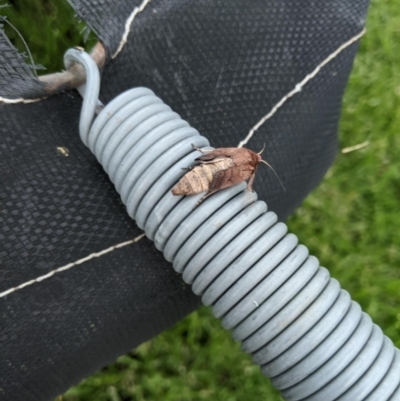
222	66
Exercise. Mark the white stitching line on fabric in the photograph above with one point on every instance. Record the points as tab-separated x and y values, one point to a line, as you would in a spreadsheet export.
128	25
69	265
298	87
20	100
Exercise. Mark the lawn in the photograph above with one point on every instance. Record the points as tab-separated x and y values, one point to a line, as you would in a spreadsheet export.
350	222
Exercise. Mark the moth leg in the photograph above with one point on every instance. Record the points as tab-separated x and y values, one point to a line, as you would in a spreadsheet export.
204	198
200	150
188	168
250	183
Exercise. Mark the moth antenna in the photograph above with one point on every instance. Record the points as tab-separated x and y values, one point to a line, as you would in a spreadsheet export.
277	176
262	150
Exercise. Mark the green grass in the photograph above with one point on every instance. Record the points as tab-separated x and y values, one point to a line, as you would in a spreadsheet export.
48	27
350	222
196	360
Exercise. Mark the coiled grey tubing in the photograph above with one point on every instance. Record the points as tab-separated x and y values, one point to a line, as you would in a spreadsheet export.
306	333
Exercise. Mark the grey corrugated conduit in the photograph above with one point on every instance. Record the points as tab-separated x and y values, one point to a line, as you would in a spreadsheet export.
306	333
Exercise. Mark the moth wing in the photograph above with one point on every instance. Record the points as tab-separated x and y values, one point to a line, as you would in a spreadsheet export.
228	178
219	154
217	159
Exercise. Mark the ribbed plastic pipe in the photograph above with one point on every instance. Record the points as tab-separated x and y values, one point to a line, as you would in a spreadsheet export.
306	333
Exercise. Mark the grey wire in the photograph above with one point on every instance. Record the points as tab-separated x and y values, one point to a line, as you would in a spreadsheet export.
90	91
300	327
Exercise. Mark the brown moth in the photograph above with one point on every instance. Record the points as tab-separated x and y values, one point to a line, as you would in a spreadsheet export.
218	169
